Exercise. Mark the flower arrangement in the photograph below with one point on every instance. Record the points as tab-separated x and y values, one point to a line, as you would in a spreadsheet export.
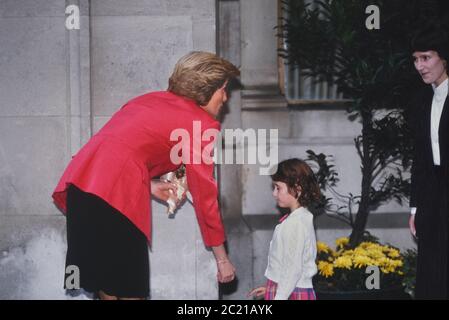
344	269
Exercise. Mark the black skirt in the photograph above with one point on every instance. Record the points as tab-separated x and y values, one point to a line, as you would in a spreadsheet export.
110	252
432	225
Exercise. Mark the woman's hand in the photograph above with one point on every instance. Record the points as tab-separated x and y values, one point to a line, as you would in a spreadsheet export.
162	189
411	224
260	291
226	271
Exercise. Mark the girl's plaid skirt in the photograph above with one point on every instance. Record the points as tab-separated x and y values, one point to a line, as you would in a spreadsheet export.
297	294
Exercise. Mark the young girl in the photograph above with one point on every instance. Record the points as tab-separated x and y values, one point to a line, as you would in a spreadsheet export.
291	259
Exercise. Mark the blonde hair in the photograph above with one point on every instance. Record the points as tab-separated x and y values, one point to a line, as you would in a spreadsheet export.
199	74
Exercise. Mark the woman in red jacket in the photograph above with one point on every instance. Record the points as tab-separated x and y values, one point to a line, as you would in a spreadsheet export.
106	189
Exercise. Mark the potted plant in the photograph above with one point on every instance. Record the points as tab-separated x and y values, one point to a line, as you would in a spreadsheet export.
350	273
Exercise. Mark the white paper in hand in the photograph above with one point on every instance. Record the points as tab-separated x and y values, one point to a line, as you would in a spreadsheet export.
179	178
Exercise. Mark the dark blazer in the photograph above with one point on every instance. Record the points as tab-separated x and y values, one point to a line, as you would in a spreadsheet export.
430	195
423	159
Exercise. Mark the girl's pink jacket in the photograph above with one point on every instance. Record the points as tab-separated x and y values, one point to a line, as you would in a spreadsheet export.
134	146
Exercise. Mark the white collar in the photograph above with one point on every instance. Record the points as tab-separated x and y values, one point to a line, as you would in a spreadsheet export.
442	90
299	210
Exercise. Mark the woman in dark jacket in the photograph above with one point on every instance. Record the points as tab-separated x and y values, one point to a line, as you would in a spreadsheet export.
430	178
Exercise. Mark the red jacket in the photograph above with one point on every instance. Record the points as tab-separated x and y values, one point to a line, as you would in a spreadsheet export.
118	162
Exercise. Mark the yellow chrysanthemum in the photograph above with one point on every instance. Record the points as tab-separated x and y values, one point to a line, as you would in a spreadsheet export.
399	263
383	261
389	265
394	264
394	253
375	262
360	251
343	262
375	247
322	247
326	269
361	261
375	253
346	253
388	269
340	242
365	245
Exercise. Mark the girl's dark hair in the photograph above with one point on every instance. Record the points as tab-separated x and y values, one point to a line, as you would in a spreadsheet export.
297	173
431	37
